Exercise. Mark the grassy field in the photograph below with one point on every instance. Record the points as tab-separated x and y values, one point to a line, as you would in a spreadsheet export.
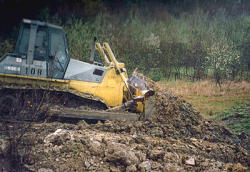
208	98
229	104
237	118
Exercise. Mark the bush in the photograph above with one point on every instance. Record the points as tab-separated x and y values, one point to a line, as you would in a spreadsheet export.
165	45
155	74
6	47
159	40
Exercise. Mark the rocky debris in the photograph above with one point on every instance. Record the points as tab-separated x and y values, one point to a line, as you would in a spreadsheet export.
145	166
120	154
169	167
44	170
131	168
175	138
236	167
92	149
190	161
4	146
58	137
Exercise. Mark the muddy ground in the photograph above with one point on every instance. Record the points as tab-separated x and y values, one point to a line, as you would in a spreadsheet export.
175	138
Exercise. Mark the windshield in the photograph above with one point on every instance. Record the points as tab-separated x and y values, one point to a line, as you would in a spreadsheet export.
41	42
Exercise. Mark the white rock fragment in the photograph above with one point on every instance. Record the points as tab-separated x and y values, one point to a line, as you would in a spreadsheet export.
87	164
45	170
4	146
190	161
59	135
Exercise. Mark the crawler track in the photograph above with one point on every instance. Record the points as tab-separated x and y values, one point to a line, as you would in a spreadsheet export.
38	104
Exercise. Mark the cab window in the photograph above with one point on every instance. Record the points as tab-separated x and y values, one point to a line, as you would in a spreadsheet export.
58	47
41	45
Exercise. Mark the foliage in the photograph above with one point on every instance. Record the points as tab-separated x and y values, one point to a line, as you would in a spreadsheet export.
5	47
207	98
192	40
223	59
210	43
155	74
237	118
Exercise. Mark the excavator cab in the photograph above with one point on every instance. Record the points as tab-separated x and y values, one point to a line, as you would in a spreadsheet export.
41	51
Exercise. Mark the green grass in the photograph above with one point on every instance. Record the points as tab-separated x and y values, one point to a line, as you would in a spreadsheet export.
229	104
210	106
209	99
237	118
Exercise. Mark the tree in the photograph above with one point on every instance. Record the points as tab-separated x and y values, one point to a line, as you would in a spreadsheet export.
222	59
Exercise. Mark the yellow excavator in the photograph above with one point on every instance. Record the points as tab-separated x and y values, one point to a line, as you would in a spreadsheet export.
41	62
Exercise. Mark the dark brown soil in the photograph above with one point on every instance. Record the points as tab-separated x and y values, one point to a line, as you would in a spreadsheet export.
175	138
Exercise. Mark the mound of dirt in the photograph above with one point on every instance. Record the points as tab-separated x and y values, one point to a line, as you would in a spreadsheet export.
179	119
175	138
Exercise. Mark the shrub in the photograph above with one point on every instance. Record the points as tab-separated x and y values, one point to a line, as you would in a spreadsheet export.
155	74
6	47
145	40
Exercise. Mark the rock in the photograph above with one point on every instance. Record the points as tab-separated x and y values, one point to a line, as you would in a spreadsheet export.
145	166
235	167
171	157
114	169
190	161
156	166
156	155
140	147
119	153
87	164
238	168
82	124
4	146
131	168
138	138
95	147
44	170
204	164
29	159
142	156
157	131
29	139
169	167
59	137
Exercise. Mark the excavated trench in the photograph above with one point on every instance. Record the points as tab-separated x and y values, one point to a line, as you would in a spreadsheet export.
174	138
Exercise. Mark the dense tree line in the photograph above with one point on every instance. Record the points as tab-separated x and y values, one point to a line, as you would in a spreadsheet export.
165	39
